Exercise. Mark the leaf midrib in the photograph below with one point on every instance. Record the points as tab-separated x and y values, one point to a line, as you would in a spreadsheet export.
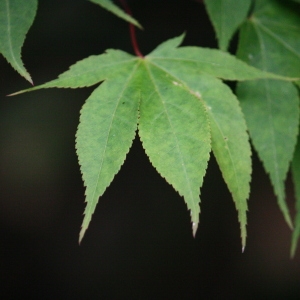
183	60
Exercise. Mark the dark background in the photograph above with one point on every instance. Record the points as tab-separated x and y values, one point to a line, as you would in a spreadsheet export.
139	244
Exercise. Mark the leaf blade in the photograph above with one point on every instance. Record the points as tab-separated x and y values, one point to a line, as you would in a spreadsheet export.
111	7
105	133
230	144
266	105
230	141
176	143
210	62
15	20
226	16
89	71
269	102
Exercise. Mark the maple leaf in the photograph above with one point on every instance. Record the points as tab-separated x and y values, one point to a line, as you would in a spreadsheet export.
182	110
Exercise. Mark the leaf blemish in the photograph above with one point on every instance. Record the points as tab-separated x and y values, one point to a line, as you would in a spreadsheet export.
197	94
176	83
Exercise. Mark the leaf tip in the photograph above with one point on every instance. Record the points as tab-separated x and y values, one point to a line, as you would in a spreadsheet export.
23	72
30	80
292	254
81	234
195	222
15	94
290	223
286	215
139	26
294	244
194	228
243	236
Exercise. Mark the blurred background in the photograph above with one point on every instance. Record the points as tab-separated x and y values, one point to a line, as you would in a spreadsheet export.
139	244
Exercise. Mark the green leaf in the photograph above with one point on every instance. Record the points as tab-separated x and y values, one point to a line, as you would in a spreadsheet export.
271	110
270	41
178	98
111	7
16	17
226	16
228	133
296	180
174	130
230	144
108	122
